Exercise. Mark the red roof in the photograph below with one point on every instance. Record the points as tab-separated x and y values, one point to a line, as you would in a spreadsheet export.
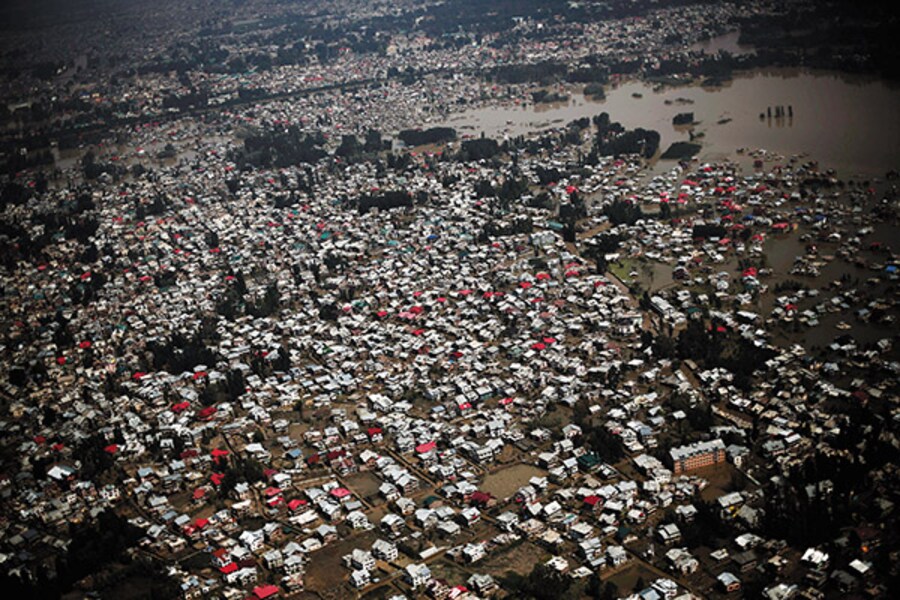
229	568
296	503
480	498
265	591
340	492
592	500
425	448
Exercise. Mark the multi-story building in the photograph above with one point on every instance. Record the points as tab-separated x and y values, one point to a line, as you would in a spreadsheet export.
697	455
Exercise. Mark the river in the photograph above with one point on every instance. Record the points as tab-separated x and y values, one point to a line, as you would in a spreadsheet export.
847	123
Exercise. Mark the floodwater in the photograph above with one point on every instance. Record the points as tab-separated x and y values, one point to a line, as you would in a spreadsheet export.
847	123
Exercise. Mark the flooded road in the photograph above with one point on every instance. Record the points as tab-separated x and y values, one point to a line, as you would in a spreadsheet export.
847	123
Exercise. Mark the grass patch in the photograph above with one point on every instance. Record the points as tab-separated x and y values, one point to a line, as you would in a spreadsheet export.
622	269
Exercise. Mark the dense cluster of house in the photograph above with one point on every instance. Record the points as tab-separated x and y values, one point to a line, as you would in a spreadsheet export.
284	392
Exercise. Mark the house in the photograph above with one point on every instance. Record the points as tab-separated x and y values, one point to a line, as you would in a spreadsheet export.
844	581
729	504
484	585
571	431
326	533
393	523
385	550
253	540
293	582
507	521
559	564
526	494
449	528
293	565
360	559
389	491
265	592
470	516
220	557
482	500
417	575
668	533
474	552
244	576
311	545
360	578
728	582
780	591
681	561
616	555
273	559
745	561
815	559
426	518
405	506
591	550
686	513
358	520
666	588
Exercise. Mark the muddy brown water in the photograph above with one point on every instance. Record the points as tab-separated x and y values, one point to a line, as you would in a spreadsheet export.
848	123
